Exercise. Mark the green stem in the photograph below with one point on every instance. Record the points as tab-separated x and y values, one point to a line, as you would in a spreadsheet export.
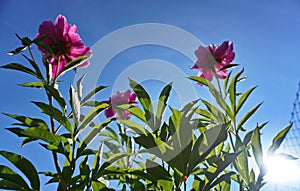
220	91
55	158
30	52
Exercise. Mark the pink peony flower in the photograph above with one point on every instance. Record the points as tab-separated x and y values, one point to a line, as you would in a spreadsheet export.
65	43
117	99
212	59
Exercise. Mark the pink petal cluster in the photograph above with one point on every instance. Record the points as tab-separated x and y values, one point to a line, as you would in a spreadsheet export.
65	43
117	99
212	59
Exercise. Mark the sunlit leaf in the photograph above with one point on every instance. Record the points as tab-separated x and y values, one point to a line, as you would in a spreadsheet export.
79	86
32	85
136	111
242	160
48	67
138	129
278	139
90	116
74	63
93	134
257	148
75	105
200	80
17	50
92	93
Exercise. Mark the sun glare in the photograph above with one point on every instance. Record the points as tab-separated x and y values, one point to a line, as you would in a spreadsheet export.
281	170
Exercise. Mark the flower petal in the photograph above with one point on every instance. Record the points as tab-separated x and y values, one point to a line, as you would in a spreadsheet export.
109	112
61	25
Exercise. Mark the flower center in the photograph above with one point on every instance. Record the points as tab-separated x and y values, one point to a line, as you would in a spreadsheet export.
219	60
60	47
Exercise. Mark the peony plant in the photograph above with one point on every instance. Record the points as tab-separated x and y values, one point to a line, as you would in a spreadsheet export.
198	147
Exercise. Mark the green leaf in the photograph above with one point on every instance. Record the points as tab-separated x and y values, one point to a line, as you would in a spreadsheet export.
199	79
278	139
38	133
84	170
138	129
57	149
161	105
154	145
28	122
136	111
252	176
219	99
93	134
188	110
9	175
243	99
40	38
74	63
90	116
145	101
17	50
7	185
92	93
32	85
97	161
35	66
232	90
160	175
224	177
242	160
57	96
25	166
110	161
55	113
216	114
286	156
247	116
229	66
98	186
257	148
226	82
19	67
206	143
156	171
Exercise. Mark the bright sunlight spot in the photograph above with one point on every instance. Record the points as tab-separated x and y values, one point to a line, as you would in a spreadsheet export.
281	170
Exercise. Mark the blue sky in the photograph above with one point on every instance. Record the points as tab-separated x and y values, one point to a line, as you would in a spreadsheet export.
265	35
